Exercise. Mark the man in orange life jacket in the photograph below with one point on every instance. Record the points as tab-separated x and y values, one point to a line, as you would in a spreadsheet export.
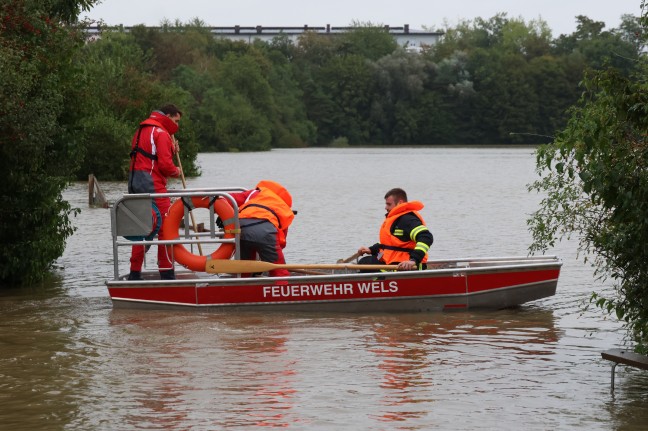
404	238
265	214
151	164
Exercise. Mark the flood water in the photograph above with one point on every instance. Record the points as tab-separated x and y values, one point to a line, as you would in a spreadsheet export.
70	361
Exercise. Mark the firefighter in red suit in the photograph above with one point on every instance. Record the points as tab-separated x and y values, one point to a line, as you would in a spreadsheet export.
151	164
265	214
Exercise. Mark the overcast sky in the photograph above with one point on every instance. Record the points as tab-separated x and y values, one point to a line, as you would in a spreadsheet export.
559	14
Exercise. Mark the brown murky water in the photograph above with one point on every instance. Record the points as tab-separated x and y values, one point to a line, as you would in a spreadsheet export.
69	361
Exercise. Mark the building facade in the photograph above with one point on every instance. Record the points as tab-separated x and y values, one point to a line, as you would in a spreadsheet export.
411	40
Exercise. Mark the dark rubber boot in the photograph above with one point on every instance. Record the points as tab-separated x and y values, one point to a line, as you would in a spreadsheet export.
167	275
135	275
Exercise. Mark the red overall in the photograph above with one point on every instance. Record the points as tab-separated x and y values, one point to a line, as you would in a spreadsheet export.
151	164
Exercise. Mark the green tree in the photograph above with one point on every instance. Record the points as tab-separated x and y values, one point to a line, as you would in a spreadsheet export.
348	80
37	42
236	124
174	44
336	75
115	91
400	79
246	124
598	48
198	86
312	53
366	40
555	92
498	95
595	179
447	102
291	126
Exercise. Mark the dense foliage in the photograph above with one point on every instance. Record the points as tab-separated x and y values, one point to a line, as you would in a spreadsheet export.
595	176
36	44
114	92
496	81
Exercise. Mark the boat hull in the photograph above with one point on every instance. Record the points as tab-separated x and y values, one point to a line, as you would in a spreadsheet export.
459	284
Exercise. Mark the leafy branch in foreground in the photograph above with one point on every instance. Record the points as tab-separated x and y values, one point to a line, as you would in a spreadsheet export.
595	179
37	40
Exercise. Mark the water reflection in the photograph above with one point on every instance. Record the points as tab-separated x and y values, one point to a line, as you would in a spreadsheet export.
415	349
39	382
268	371
69	361
403	361
124	369
192	356
627	407
258	367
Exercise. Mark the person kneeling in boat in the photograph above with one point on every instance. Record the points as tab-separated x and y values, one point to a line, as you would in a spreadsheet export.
265	214
404	238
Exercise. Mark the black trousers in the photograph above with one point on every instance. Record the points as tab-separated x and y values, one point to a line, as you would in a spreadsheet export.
369	260
373	260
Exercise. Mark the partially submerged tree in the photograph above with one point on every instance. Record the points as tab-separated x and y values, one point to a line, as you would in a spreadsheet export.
595	176
37	41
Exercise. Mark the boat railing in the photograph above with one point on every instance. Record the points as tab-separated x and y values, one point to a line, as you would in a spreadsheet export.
493	262
132	222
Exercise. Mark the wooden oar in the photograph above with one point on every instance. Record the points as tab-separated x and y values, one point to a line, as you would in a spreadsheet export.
350	258
216	266
184	186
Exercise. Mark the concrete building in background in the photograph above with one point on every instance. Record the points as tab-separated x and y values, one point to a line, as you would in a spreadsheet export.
411	40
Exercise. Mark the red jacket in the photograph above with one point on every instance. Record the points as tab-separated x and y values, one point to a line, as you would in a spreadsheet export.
152	155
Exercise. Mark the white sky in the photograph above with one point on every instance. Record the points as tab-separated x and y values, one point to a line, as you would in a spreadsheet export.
559	14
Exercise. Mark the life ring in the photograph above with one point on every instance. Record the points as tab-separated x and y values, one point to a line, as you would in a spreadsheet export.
171	227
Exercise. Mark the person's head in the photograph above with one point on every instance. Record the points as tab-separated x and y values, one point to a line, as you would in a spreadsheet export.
172	112
394	197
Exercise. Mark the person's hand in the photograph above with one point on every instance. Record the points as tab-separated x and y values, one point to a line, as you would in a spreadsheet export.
407	265
176	145
364	250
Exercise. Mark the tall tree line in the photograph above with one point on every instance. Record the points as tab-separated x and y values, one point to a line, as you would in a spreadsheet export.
488	81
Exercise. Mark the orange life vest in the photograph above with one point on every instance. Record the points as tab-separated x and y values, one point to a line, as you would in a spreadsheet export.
394	249
268	205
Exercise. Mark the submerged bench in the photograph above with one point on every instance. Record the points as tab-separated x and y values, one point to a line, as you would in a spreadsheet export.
625	357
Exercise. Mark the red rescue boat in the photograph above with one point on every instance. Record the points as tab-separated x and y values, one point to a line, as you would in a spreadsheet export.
453	284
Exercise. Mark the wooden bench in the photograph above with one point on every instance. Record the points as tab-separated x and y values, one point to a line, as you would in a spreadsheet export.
625	357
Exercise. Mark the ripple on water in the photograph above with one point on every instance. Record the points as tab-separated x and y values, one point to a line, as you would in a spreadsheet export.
69	361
